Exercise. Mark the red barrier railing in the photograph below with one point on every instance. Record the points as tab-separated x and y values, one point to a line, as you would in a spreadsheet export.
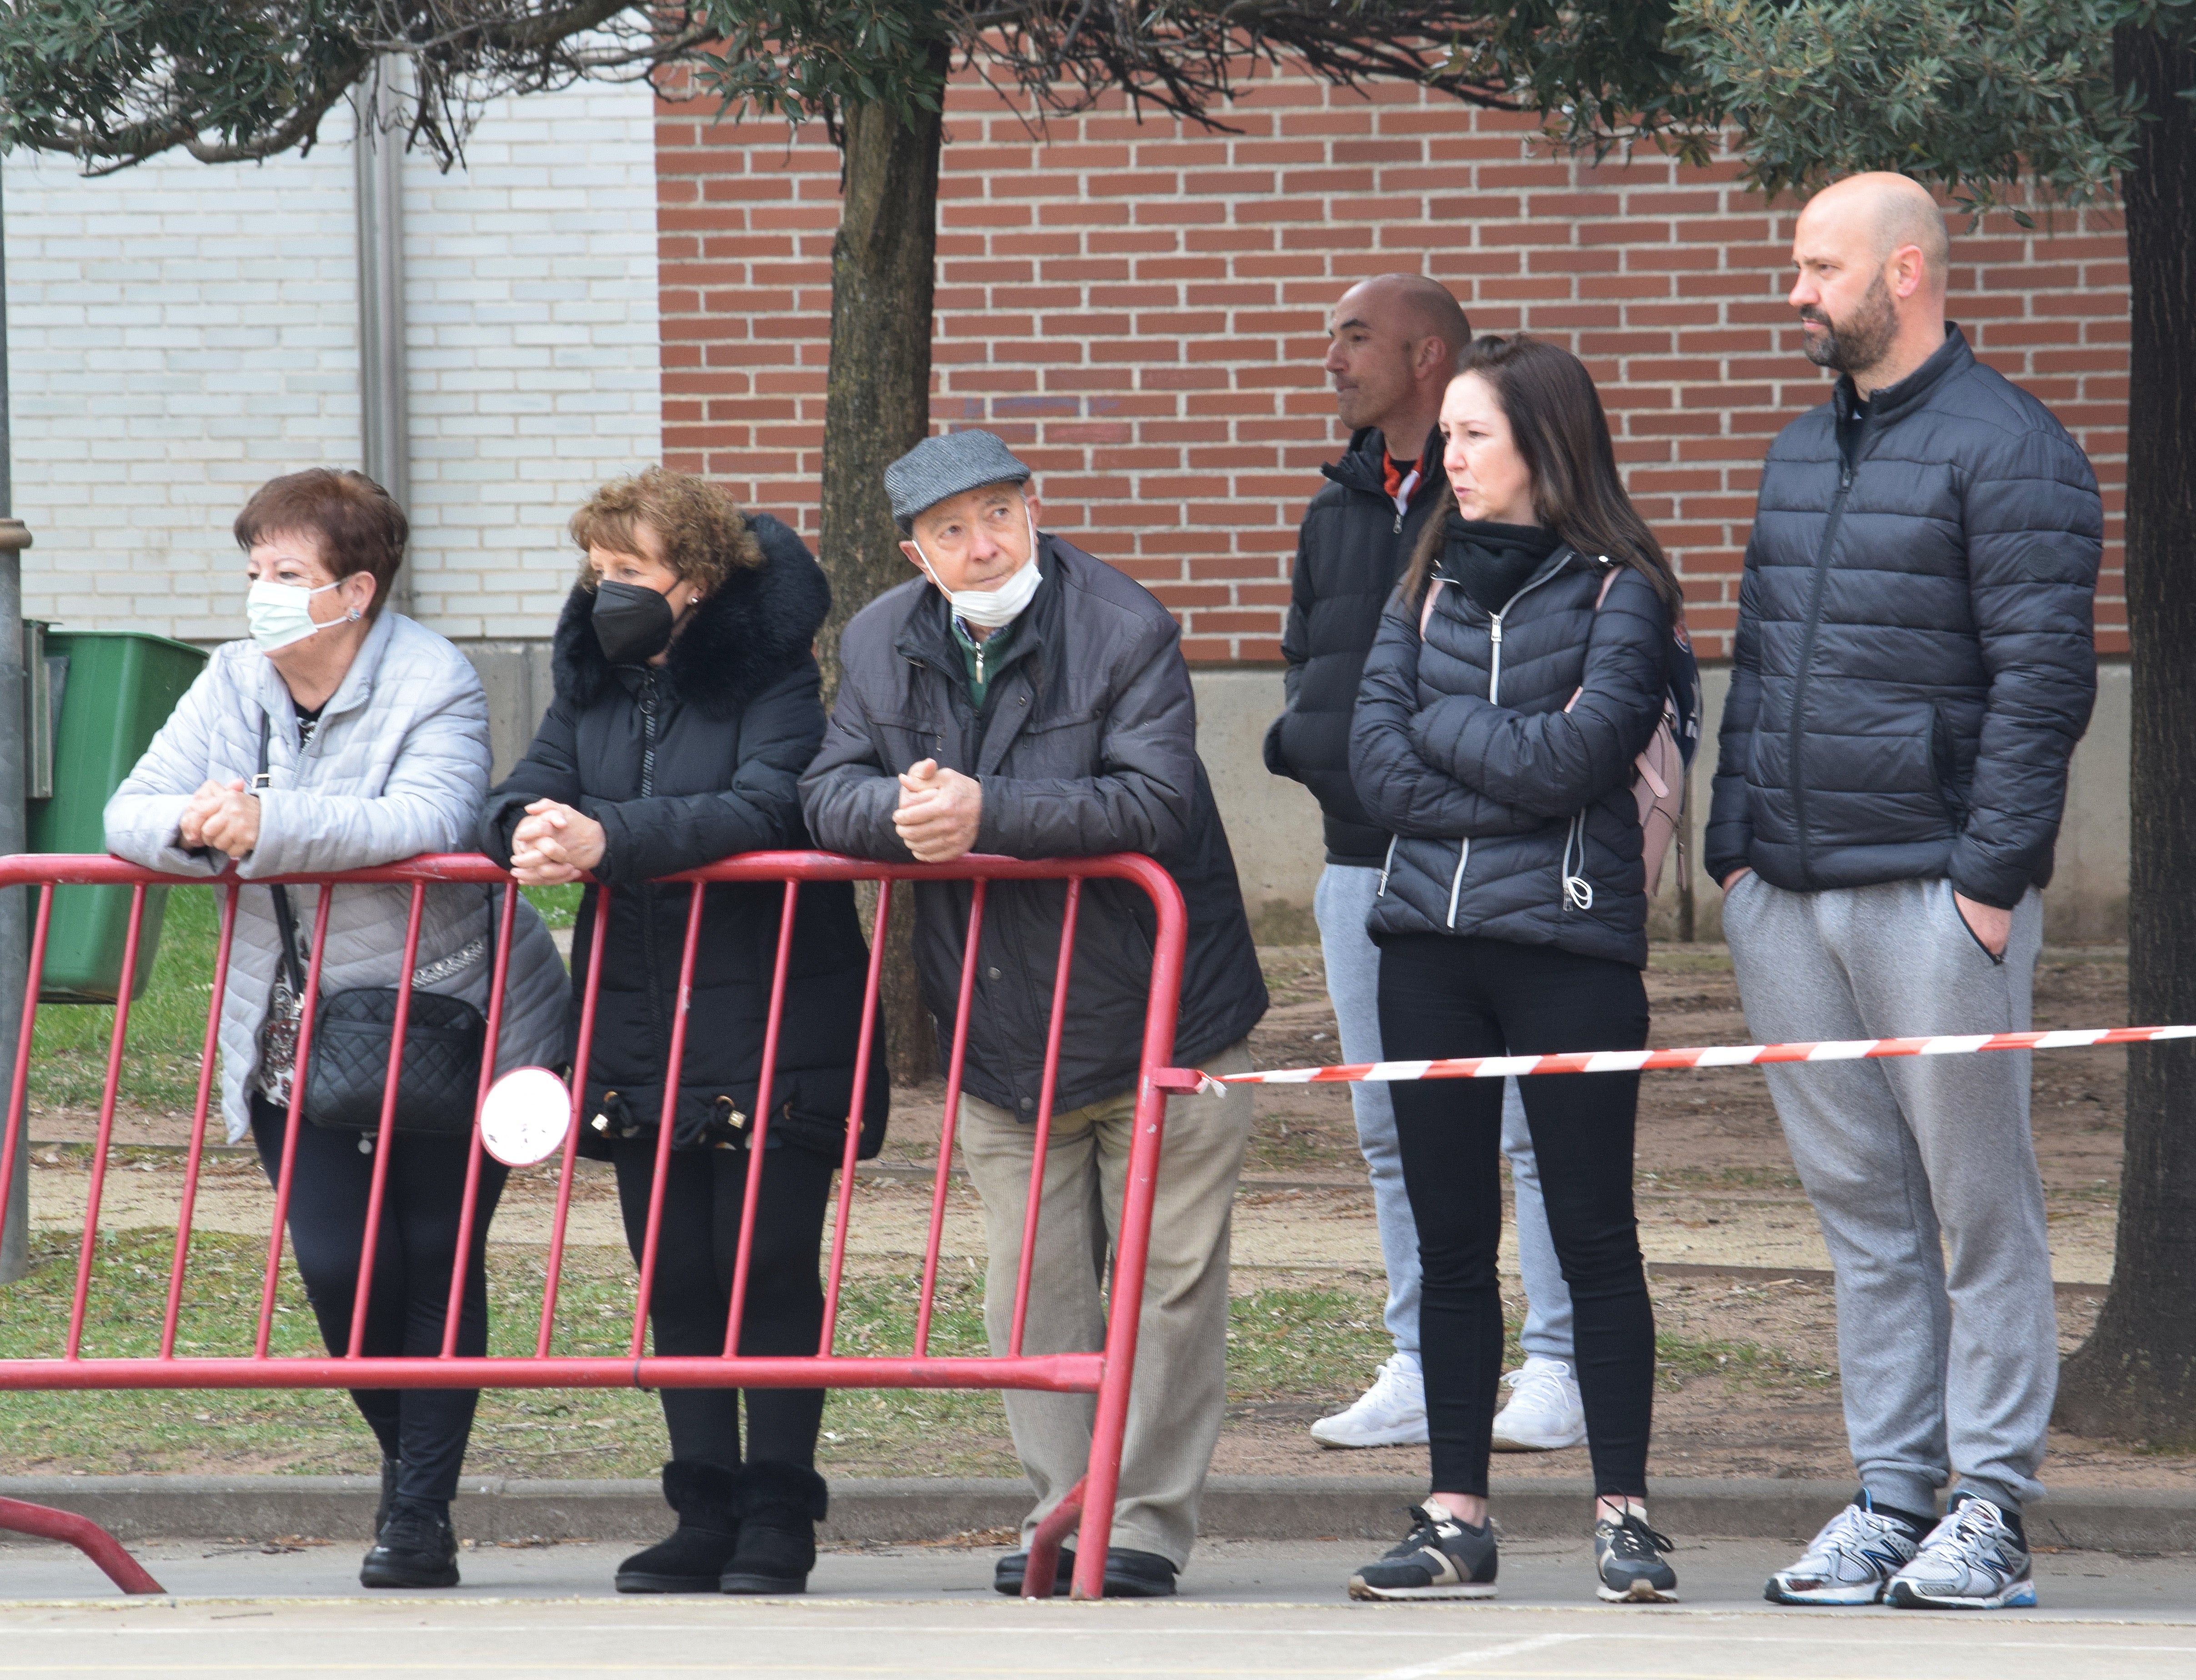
1106	1371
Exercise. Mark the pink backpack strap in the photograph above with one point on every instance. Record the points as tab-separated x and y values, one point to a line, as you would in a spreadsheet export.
1426	612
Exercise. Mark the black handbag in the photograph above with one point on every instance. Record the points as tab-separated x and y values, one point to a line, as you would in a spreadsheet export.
439	1083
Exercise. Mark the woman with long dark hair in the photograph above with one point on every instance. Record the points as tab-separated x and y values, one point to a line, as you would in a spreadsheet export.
1520	669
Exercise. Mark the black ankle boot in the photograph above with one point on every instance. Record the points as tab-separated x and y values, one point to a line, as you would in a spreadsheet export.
416	1547
706	1498
391	1469
778	1514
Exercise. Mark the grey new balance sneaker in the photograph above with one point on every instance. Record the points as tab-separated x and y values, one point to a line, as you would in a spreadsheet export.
1441	1558
1973	1560
1851	1561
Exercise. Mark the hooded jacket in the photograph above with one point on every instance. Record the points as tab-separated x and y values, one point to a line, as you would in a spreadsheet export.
683	764
396	767
1086	744
1350	551
1515	817
1915	658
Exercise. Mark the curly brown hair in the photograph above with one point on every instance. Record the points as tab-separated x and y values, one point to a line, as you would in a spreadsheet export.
704	535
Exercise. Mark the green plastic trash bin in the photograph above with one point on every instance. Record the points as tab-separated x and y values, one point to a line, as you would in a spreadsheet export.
115	690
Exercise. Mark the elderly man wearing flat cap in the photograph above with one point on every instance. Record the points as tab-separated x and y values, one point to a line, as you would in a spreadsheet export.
1019	696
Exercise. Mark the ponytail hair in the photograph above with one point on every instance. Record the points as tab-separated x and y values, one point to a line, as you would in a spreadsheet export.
1557	423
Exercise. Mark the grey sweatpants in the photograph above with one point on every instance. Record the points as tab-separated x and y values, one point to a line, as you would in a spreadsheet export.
1922	1171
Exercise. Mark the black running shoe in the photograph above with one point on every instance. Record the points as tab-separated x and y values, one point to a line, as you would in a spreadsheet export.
1440	1558
416	1548
1624	1557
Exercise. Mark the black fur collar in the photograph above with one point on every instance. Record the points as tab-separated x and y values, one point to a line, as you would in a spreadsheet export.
740	640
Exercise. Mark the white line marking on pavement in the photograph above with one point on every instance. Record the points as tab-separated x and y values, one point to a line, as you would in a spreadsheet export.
1516	1647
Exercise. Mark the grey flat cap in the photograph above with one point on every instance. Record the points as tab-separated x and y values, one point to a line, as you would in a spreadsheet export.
943	466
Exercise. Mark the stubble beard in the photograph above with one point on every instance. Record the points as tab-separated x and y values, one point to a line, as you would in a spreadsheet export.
1861	342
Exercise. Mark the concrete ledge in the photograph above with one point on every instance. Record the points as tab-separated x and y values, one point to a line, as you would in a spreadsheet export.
899	1511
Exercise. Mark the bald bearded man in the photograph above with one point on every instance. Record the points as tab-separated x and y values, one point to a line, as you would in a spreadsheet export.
1914	664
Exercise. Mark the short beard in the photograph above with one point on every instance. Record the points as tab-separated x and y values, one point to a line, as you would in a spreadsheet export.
1861	342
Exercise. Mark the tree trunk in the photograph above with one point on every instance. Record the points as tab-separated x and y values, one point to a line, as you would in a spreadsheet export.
876	409
2136	1377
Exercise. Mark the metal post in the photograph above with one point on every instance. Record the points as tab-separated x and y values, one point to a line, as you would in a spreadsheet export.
14	902
384	413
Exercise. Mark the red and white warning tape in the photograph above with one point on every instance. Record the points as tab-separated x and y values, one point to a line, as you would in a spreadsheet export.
1713	1055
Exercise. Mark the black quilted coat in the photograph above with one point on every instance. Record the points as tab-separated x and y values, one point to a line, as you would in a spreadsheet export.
1914	661
683	764
1496	795
1350	553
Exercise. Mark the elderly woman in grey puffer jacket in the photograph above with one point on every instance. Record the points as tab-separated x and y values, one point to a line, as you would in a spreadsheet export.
372	734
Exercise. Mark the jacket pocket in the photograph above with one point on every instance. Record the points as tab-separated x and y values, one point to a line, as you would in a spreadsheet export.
1944	760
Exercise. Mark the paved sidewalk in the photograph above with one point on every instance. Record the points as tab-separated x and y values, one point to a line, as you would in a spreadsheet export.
1255	1608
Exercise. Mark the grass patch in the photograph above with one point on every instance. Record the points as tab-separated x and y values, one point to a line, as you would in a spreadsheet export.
1748	1363
559	905
1284	1343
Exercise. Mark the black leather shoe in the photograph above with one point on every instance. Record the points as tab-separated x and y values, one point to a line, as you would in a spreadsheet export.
780	1506
706	1498
417	1548
1014	1569
1129	1573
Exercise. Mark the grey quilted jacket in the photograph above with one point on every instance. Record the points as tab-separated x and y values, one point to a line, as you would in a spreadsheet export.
1514	818
398	766
1914	659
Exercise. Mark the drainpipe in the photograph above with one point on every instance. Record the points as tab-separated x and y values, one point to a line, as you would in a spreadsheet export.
383	413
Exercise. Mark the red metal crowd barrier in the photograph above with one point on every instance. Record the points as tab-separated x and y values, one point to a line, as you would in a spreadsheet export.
1106	1371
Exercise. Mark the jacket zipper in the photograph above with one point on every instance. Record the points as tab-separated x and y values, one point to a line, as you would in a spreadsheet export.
647	894
1808	660
1493	698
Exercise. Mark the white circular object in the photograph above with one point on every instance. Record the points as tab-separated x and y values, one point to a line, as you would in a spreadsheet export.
526	1117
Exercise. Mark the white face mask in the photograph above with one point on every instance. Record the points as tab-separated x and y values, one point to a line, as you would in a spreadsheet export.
993	608
277	615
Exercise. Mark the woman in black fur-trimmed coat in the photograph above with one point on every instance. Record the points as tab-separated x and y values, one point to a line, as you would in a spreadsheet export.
687	705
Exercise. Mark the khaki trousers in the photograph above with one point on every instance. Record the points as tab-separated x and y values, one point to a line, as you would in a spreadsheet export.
1180	1386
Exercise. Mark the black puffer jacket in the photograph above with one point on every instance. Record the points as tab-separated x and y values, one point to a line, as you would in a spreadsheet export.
1086	743
683	764
1350	553
1914	659
1497	796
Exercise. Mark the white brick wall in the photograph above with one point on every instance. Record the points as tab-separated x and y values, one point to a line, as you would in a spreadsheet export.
178	333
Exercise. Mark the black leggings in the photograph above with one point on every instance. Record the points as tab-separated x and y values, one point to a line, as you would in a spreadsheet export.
413	1255
1443	995
691	1302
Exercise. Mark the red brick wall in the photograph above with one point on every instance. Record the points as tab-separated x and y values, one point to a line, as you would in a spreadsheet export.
1139	310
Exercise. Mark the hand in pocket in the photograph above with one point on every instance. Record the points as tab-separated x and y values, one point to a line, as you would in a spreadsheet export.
1990	925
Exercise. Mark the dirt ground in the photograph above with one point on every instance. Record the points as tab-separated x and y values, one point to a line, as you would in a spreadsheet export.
1743	1305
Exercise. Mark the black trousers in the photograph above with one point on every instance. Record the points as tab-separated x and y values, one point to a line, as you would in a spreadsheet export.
412	1257
691	1304
1441	996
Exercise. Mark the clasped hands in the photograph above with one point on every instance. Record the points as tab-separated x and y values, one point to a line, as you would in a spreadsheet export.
939	811
553	844
222	815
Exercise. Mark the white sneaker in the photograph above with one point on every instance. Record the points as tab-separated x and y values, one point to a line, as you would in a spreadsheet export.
1392	1412
1544	1413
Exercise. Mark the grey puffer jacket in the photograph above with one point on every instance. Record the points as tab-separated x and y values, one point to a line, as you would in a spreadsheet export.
1915	658
397	767
1086	743
1514	818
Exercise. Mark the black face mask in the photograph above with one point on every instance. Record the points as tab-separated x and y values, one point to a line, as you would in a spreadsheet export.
633	624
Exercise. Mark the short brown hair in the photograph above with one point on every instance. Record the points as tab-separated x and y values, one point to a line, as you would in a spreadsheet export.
705	536
360	525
